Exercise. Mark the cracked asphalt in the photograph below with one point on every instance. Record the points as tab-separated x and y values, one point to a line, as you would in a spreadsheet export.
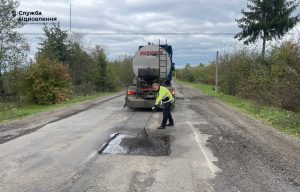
213	148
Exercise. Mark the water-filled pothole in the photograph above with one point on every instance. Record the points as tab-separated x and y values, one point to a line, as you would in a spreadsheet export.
137	144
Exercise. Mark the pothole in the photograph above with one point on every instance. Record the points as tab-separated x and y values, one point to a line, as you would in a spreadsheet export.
136	144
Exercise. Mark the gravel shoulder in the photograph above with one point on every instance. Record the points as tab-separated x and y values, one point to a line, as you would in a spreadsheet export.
17	128
252	156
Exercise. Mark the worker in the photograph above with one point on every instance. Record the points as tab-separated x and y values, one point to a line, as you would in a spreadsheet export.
167	99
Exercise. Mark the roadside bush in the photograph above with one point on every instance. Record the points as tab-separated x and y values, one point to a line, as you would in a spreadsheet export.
234	69
47	82
273	80
204	74
187	73
200	73
285	75
12	82
257	86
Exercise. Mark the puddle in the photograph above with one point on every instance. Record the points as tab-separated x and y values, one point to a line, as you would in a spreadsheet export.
137	144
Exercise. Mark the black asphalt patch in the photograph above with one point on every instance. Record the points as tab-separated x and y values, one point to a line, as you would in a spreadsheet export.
137	144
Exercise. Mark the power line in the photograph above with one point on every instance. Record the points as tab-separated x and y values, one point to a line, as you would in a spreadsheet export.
144	33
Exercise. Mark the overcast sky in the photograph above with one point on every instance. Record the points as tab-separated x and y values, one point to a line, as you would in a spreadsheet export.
211	24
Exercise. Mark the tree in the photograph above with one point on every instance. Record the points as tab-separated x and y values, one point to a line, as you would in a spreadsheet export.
55	45
120	73
47	82
126	74
188	73
13	46
99	57
266	19
81	67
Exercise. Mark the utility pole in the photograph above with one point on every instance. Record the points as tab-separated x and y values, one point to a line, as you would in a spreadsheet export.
217	73
70	16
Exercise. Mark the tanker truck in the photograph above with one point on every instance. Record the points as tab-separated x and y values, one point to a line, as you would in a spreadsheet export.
151	64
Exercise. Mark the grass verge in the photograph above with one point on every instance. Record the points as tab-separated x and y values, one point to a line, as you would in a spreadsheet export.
283	120
12	111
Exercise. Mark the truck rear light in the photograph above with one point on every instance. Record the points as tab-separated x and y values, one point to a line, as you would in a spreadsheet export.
131	93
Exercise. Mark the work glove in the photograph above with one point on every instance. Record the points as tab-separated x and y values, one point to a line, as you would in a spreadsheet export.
154	108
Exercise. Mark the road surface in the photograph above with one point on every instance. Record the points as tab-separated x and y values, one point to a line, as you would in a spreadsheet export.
213	148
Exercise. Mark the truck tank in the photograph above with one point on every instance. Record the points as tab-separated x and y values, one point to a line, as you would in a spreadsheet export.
152	61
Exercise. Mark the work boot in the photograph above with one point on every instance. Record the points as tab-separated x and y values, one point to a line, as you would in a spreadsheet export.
170	124
161	127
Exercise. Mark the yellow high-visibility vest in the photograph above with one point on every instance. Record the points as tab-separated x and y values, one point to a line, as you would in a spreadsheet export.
162	94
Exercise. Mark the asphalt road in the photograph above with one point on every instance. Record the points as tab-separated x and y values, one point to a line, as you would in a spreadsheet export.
213	148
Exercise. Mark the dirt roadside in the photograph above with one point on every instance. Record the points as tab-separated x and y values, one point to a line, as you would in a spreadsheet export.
252	156
32	123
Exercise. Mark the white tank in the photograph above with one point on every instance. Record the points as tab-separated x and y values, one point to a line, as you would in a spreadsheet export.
148	57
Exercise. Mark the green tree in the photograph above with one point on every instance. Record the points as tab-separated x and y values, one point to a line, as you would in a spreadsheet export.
55	45
188	73
13	46
81	69
126	71
120	73
47	82
205	74
100	60
266	20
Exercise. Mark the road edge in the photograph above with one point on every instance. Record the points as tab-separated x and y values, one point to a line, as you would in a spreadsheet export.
27	125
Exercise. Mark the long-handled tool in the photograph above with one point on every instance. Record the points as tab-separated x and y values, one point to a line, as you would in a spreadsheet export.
145	129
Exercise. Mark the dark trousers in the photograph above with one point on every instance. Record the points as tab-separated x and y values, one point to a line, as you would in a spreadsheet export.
167	114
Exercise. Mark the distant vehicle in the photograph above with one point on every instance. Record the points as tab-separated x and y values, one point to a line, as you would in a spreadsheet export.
151	64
